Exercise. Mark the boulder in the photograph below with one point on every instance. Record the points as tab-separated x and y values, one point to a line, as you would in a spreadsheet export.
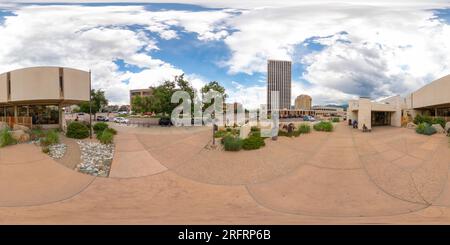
439	128
411	125
447	126
3	125
20	136
21	127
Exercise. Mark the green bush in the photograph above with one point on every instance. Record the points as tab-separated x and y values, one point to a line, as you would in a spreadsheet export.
429	131
439	120
51	137
304	128
6	138
77	130
111	130
323	126
106	137
99	127
253	142
229	129
220	134
255	129
36	134
423	119
335	119
45	149
425	128
232	143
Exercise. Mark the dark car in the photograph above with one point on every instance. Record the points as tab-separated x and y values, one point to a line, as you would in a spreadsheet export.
102	118
165	121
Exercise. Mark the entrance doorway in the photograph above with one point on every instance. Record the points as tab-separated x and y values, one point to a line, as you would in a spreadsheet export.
381	118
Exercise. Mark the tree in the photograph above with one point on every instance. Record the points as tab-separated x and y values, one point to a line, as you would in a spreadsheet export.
214	86
160	101
98	101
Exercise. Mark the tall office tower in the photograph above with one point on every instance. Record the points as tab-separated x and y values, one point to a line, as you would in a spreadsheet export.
279	79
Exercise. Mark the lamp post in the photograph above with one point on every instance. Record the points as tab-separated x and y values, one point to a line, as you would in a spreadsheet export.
90	105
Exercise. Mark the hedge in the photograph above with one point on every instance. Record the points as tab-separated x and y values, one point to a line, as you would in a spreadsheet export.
77	130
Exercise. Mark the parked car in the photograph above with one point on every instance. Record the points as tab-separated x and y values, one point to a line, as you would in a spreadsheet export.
309	118
123	113
120	120
102	119
80	114
165	121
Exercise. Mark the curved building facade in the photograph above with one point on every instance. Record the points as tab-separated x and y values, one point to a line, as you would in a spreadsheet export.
303	102
40	93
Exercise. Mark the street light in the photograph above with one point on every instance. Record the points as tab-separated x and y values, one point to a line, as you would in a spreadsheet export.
90	105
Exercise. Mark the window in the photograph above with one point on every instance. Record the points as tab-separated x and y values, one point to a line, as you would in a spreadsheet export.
8	85
61	82
44	114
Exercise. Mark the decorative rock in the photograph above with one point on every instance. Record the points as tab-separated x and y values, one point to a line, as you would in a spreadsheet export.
96	158
3	125
411	125
20	136
439	128
447	126
21	127
57	151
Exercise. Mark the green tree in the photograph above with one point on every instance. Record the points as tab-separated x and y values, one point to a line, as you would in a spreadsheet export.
160	102
214	86
98	101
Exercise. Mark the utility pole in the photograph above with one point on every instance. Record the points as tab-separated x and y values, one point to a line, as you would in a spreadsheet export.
90	104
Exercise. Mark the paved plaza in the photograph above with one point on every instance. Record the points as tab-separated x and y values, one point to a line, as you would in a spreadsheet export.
167	176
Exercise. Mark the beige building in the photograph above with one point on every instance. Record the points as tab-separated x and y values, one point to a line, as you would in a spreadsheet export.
303	102
279	79
37	95
139	92
328	111
433	100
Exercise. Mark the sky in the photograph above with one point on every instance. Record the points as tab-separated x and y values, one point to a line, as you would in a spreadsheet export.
340	50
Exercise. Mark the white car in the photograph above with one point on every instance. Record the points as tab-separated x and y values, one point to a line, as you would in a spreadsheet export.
120	120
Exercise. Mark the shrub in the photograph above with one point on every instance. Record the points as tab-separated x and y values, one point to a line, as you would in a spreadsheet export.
105	137
51	137
99	127
253	142
439	120
323	126
304	128
77	130
6	138
255	129
111	130
423	119
429	131
45	149
229	129
220	134
36	134
232	143
335	119
426	129
284	133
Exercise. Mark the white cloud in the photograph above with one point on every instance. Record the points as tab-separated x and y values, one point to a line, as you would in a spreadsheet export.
87	37
388	47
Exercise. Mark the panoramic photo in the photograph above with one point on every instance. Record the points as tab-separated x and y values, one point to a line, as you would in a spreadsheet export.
223	112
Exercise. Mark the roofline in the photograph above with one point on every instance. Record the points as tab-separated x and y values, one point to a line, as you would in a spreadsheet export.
32	67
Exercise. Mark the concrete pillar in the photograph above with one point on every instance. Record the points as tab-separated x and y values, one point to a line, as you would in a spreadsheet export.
364	113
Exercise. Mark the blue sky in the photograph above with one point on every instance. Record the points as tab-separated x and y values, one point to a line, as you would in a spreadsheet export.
140	45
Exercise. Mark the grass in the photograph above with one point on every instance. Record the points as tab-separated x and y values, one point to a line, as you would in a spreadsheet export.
6	138
232	143
323	126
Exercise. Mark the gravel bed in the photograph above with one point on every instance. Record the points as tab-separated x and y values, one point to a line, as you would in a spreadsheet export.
57	151
96	158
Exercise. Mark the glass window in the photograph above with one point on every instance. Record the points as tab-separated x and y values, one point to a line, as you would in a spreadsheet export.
22	111
44	114
10	111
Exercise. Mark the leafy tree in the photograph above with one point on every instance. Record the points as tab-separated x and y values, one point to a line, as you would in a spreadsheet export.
214	86
98	100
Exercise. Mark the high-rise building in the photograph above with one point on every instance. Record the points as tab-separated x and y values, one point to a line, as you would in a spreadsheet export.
279	79
303	102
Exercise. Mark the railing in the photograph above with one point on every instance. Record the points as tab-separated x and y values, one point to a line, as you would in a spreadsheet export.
11	121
